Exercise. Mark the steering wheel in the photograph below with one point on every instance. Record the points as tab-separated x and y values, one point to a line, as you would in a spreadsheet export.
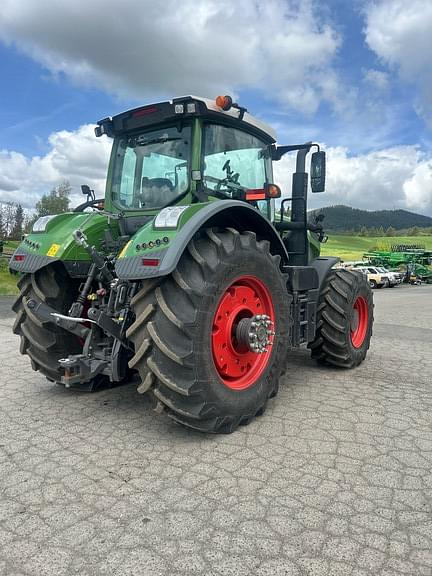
98	203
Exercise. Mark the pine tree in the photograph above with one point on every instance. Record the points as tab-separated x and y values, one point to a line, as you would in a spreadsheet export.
17	229
2	230
8	218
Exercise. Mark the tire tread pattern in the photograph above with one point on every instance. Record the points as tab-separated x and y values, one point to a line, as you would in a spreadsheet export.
170	329
332	344
44	342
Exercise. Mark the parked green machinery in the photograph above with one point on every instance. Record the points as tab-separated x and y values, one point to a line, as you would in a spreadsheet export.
412	259
183	275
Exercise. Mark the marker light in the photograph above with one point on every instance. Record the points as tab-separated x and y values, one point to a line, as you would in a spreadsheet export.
273	191
269	191
224	102
255	194
150	262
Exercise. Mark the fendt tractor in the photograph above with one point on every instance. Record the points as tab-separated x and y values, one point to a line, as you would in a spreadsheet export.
189	274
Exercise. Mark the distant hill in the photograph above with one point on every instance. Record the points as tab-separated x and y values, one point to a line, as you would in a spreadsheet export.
340	218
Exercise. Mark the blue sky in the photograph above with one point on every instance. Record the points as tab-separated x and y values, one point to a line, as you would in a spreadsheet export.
354	76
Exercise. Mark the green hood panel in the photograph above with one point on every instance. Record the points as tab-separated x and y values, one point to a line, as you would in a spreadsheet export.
56	241
39	249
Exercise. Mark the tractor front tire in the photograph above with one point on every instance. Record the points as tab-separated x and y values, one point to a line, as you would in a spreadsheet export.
44	342
184	333
344	320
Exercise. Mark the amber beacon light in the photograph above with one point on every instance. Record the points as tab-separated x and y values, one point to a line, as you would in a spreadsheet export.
224	102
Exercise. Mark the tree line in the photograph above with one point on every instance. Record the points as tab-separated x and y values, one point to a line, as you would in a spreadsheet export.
340	218
16	221
377	231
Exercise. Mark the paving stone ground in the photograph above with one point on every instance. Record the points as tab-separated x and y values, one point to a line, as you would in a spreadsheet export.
335	478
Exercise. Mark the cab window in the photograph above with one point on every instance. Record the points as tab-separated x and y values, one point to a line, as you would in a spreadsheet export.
234	160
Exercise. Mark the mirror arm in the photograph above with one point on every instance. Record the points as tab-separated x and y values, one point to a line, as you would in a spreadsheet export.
278	151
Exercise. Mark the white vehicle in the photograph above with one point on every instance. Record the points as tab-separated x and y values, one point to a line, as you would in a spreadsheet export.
394	278
376	279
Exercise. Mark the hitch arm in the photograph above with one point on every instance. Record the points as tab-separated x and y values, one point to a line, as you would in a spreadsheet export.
108	325
45	313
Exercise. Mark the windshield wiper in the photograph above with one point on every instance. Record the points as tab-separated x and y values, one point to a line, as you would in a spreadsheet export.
159	140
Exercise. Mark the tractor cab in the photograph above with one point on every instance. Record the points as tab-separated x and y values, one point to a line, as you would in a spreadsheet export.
193	150
190	149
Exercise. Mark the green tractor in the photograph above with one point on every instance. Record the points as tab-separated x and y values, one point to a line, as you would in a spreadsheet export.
185	274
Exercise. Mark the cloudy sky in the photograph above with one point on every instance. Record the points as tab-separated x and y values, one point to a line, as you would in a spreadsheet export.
354	75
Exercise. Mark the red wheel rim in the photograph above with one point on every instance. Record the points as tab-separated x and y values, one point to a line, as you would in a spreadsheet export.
359	323
237	366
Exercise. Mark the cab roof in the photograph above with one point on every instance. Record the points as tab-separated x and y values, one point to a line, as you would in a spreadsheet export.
184	107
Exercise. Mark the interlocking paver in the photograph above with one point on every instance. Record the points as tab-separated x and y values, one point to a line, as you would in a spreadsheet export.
334	479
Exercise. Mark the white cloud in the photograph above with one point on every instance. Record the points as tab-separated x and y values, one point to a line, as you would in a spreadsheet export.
78	157
399	32
147	48
418	189
376	78
398	177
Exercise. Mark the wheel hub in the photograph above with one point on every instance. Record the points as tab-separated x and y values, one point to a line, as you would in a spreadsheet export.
243	332
255	333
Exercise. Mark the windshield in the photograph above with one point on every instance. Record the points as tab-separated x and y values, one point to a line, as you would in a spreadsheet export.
151	169
234	160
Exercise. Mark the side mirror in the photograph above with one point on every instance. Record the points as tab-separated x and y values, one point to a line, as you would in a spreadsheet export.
85	189
318	171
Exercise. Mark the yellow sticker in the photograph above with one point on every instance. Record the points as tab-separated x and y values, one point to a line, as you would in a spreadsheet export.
54	248
125	247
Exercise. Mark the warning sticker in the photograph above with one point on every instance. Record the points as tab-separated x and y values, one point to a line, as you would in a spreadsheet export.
54	248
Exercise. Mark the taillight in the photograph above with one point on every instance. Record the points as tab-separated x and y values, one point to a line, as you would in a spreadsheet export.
150	261
19	257
257	194
144	112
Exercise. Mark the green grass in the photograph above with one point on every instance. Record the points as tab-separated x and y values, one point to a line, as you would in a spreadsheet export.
10	245
8	281
353	247
345	247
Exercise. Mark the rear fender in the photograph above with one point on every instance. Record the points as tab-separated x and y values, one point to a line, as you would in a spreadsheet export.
223	213
323	265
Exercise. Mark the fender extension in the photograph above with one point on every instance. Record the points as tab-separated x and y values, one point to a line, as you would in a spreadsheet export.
225	214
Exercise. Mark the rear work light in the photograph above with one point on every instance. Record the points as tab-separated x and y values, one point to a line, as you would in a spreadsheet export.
150	261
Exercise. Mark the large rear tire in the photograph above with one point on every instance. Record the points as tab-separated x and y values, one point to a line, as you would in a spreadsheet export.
344	320
184	332
44	342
